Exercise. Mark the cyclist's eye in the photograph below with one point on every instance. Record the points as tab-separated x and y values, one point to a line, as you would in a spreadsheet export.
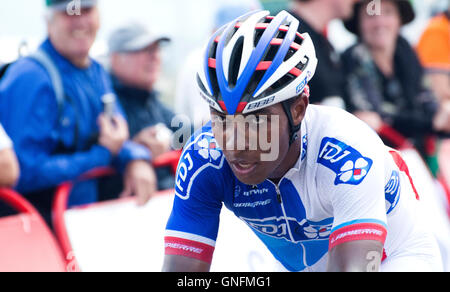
259	120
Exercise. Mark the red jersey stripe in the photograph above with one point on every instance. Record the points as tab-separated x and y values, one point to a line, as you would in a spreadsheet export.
188	248
355	232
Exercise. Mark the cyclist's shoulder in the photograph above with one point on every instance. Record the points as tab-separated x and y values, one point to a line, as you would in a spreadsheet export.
202	163
340	142
203	147
325	123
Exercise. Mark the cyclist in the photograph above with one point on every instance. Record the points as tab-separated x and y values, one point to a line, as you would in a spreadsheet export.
326	196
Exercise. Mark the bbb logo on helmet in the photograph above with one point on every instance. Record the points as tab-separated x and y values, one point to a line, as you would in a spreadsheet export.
209	100
261	103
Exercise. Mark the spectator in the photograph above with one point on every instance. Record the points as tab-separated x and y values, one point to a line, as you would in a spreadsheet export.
386	82
188	100
327	87
434	52
135	59
9	168
55	146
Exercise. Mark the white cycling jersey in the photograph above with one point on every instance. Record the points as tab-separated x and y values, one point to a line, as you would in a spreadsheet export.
346	186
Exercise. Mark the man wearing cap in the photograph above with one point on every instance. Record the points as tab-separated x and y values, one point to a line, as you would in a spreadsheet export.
135	59
59	141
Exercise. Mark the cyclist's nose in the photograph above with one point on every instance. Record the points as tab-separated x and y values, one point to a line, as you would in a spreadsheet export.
240	137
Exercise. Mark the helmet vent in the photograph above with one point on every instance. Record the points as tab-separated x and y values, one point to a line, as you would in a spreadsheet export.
280	84
214	82
200	84
235	62
281	35
303	64
298	39
271	53
289	54
254	81
213	50
258	34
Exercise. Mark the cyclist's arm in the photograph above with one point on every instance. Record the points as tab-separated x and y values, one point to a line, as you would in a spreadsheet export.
356	256
176	263
193	226
358	201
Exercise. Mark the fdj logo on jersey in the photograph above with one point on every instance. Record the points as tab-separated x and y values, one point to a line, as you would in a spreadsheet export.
290	229
348	164
197	157
392	191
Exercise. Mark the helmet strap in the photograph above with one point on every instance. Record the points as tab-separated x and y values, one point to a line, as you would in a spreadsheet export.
293	129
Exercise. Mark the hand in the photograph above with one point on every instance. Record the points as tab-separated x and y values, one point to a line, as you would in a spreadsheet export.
149	138
9	168
113	133
373	119
140	180
441	121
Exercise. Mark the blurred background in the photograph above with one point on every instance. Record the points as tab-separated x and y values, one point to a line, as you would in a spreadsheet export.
23	23
188	23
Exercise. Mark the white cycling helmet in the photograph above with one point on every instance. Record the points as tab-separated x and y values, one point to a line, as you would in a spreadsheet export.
256	61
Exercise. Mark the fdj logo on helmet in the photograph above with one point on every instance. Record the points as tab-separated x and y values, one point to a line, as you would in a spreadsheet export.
302	85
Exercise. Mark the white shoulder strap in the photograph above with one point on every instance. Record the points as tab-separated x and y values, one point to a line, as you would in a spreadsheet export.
45	60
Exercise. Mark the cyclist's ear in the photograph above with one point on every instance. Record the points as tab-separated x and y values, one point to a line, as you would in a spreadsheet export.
298	108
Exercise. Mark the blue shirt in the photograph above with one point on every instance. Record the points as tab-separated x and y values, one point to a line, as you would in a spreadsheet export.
29	113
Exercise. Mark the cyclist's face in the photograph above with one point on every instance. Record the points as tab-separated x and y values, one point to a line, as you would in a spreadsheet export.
254	145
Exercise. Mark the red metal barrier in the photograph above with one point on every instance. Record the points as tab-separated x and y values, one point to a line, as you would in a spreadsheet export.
26	243
62	197
17	202
395	138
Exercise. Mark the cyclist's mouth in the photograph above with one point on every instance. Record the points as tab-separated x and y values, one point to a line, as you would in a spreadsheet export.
243	168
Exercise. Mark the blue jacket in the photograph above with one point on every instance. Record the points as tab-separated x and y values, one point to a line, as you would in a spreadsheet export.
45	141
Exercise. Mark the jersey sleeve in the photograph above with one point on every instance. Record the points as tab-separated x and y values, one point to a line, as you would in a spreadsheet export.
193	225
355	172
